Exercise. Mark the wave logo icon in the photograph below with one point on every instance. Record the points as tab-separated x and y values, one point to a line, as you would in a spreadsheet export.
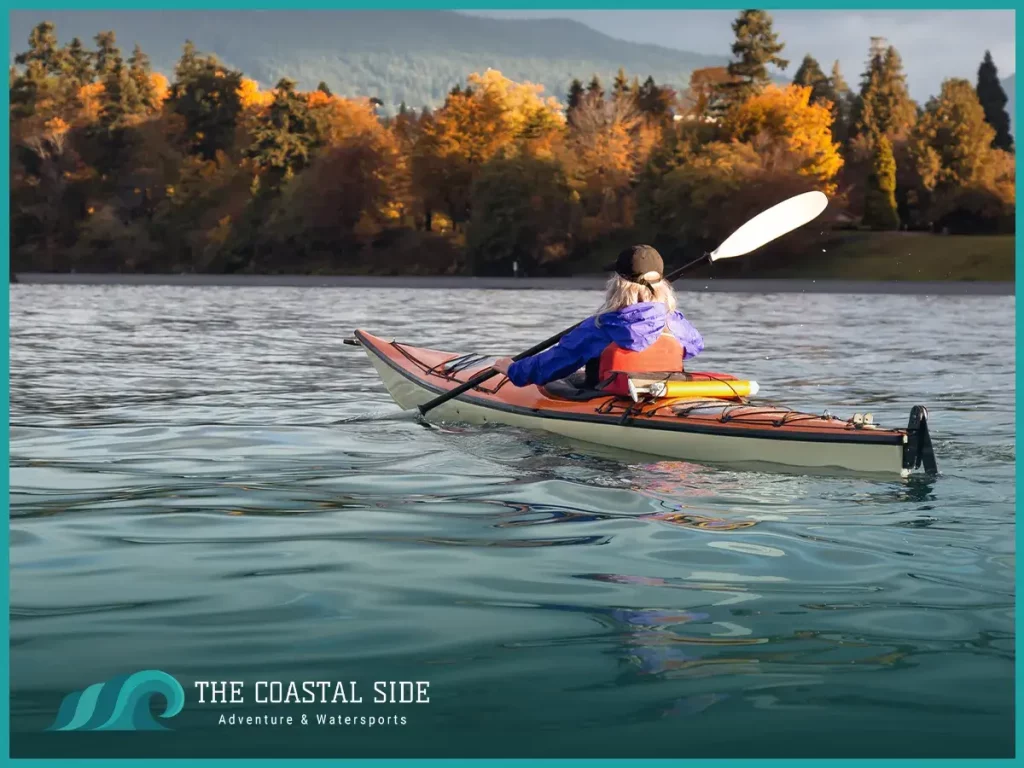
121	704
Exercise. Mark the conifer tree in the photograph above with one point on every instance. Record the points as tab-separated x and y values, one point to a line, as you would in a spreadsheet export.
880	210
884	107
755	49
993	100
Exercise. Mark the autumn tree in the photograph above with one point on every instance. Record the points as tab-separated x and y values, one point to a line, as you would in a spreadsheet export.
522	211
497	115
953	153
755	49
787	131
880	210
993	101
703	97
354	187
607	145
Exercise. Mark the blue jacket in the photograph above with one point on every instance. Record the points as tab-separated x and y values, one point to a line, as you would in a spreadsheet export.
635	328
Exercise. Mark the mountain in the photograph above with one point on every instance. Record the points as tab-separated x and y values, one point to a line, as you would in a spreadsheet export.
410	56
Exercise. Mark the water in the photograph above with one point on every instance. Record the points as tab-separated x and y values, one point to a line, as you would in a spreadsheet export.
182	500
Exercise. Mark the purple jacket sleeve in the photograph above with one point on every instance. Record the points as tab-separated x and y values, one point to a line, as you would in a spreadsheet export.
568	355
689	337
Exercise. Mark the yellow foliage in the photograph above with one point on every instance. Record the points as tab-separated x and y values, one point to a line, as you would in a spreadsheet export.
57	126
606	147
251	97
782	125
523	107
317	99
161	88
90	97
498	113
347	118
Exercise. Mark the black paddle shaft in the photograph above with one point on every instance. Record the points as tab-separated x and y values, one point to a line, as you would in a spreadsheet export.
483	376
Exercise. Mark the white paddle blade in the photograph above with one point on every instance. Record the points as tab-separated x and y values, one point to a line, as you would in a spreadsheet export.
770	224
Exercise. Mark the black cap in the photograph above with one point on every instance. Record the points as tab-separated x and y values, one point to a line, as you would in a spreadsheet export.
636	261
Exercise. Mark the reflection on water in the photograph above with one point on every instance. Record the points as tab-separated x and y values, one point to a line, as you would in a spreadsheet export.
195	488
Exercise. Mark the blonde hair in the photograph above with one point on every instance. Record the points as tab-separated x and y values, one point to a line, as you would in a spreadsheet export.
620	293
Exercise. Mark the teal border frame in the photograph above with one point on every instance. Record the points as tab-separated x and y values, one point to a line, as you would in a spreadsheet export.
452	5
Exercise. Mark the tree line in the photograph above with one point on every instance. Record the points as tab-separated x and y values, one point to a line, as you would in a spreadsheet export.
117	168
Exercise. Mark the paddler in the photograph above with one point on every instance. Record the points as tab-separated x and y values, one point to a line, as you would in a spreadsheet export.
637	330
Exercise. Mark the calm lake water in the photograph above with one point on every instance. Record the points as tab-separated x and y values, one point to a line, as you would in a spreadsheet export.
183	500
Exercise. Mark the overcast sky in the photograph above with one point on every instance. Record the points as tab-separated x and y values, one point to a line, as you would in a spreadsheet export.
934	44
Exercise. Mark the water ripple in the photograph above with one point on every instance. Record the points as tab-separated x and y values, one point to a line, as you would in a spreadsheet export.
193	488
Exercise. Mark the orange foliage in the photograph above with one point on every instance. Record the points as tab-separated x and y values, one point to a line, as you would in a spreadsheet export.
251	97
91	96
497	113
785	128
525	113
702	94
607	146
345	118
161	88
317	99
56	126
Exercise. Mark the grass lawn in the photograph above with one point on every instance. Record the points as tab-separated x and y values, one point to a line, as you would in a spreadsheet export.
907	256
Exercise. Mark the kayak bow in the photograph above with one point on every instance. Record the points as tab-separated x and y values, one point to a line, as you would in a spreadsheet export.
714	421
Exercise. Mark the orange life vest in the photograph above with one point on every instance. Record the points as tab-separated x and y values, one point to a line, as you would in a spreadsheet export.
663	356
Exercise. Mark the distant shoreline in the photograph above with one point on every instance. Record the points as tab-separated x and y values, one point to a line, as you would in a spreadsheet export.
582	283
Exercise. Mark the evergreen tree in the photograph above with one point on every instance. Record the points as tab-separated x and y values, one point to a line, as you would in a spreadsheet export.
654	100
810	74
78	63
993	100
41	62
884	107
575	95
120	98
755	49
205	93
106	52
620	87
143	95
842	107
42	50
880	210
284	142
325	89
595	90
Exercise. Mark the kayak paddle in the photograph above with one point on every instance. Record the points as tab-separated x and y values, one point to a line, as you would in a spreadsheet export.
763	228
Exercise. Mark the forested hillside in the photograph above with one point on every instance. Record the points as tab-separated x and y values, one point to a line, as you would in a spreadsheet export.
414	57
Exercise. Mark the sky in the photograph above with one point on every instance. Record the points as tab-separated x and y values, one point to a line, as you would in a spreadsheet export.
934	45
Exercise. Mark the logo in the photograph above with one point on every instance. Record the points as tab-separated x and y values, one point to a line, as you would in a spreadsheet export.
121	704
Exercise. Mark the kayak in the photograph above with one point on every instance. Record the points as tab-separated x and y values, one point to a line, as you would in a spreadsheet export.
709	417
